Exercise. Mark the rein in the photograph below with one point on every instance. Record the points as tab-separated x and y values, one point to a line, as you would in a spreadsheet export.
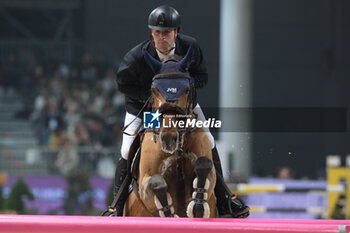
138	114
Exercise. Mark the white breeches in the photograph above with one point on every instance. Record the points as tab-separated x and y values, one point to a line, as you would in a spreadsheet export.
131	129
200	116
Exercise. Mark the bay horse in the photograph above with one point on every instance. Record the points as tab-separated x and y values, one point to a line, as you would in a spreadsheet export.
176	176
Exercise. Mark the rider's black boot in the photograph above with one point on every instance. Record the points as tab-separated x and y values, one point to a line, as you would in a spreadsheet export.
120	175
228	205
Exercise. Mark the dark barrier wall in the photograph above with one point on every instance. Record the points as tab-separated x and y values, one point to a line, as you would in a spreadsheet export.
301	59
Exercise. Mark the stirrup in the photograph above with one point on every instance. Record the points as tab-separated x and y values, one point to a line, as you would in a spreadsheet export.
111	212
241	211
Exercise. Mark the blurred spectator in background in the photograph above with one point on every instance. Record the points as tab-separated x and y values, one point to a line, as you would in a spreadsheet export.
87	69
96	132
53	124
70	105
83	102
71	115
81	134
74	79
67	158
285	173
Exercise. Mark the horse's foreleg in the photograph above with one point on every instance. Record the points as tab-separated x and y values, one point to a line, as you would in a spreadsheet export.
199	207
162	198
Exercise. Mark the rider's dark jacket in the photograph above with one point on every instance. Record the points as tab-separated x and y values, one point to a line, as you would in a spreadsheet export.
134	76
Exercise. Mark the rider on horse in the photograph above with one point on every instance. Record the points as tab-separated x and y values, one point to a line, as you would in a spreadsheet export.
134	78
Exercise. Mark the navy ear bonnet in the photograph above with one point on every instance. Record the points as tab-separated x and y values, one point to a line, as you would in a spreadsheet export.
172	77
171	88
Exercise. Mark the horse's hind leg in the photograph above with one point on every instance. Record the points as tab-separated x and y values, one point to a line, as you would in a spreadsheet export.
199	207
162	198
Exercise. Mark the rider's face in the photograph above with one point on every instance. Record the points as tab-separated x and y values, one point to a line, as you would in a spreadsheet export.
164	40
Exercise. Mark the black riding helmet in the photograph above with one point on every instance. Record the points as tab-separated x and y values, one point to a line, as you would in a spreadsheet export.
164	18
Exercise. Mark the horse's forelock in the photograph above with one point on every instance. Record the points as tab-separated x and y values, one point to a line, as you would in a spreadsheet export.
171	108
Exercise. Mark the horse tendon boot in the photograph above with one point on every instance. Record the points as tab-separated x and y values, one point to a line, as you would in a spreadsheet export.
162	198
198	207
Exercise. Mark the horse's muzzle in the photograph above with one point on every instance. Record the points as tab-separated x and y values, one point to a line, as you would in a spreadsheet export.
169	141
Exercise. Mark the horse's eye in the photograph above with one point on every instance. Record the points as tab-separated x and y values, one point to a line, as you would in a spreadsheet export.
187	91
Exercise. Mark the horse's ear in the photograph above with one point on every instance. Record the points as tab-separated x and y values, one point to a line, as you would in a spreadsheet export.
186	61
152	62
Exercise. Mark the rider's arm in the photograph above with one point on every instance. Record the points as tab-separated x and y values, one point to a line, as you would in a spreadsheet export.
129	79
198	68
